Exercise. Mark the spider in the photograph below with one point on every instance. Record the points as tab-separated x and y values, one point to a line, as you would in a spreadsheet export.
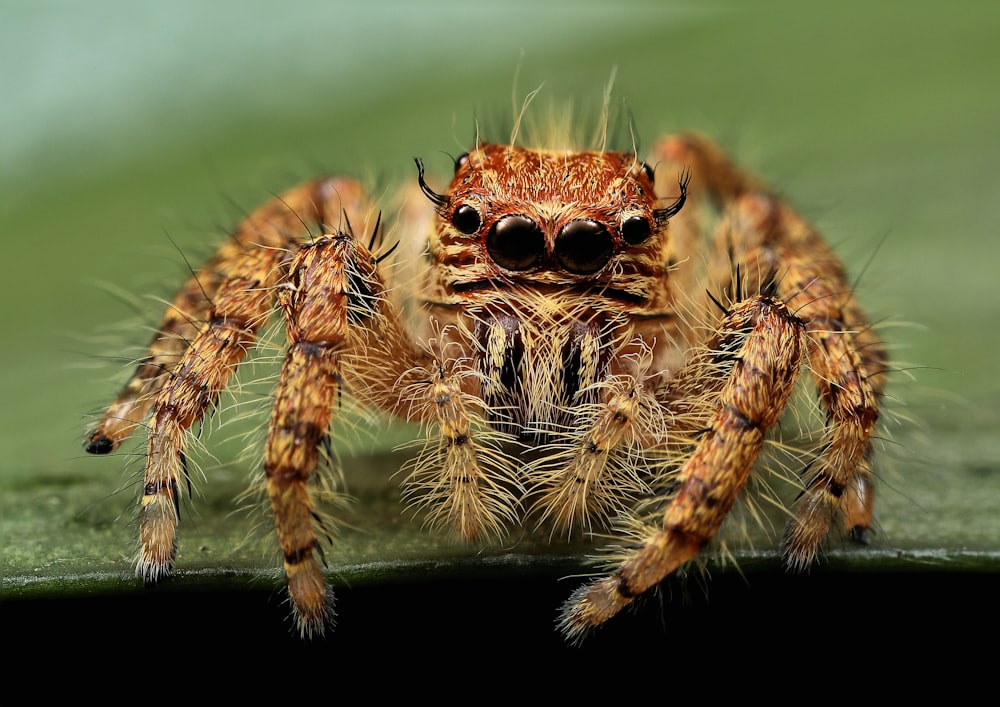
594	345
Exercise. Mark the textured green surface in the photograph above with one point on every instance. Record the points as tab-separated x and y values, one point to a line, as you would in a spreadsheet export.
134	137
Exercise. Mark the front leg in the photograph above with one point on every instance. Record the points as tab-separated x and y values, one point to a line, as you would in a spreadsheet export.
278	224
337	316
773	249
207	330
341	327
758	350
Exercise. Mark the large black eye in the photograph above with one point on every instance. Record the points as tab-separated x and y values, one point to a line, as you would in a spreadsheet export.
466	219
636	229
515	243
583	247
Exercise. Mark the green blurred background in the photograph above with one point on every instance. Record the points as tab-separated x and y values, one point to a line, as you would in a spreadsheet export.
134	134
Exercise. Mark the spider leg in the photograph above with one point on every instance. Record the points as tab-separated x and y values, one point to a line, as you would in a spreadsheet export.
595	479
778	252
462	477
332	289
342	326
241	304
757	352
206	332
272	226
848	365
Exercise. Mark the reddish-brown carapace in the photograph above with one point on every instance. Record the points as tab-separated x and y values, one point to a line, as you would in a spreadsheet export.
593	343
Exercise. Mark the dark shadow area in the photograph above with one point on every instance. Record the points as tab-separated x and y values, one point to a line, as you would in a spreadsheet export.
770	621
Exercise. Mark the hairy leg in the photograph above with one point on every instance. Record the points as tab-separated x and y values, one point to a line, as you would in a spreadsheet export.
758	351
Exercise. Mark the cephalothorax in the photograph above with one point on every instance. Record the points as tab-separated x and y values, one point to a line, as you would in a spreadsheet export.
585	351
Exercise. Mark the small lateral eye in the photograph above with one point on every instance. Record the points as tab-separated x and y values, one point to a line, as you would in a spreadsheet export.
461	161
466	219
636	229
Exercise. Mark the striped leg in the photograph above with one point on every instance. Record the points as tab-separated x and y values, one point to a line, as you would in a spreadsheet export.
762	345
205	333
276	224
241	304
779	252
332	286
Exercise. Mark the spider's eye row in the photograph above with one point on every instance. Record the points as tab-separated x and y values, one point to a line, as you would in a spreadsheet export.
515	243
636	229
466	219
583	247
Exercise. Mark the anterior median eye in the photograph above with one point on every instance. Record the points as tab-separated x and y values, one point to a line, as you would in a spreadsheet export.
466	219
516	243
636	229
583	247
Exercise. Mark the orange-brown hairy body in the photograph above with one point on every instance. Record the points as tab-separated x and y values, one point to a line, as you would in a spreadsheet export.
578	341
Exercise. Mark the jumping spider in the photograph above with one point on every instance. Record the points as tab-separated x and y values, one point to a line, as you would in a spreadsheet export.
585	353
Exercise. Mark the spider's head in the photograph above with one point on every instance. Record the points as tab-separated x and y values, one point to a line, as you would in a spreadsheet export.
552	217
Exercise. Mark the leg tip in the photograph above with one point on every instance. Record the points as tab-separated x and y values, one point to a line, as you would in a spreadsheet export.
589	607
861	534
99	444
152	571
312	601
